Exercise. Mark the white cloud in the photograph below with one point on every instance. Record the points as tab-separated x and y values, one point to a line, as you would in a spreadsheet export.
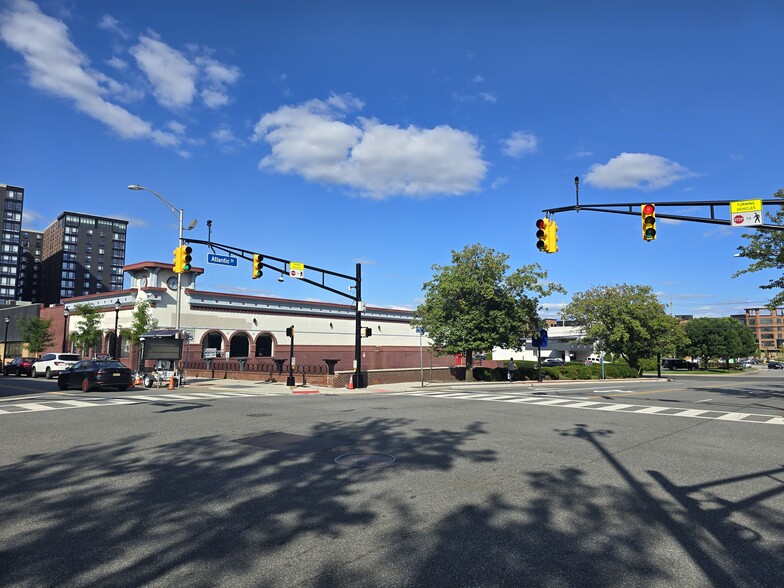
488	97
636	170
117	63
57	67
520	143
111	24
477	79
31	217
498	182
376	159
172	76
176	80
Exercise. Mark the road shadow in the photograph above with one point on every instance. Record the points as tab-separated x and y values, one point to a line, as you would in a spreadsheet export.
211	511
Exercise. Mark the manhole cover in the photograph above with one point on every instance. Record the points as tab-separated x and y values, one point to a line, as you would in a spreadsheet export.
364	459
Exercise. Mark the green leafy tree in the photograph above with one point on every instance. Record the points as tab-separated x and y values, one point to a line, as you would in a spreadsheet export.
627	321
766	249
141	323
719	337
475	304
35	332
88	333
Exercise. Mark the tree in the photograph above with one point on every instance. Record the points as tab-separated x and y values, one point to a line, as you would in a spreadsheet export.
625	320
88	333
766	249
34	331
142	323
719	337
475	304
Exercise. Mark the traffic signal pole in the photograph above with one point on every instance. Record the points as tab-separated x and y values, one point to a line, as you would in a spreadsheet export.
282	266
358	330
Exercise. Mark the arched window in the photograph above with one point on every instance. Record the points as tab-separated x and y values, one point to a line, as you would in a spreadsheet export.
213	340
239	345
264	346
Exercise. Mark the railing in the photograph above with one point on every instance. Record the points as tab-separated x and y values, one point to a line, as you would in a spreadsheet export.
264	367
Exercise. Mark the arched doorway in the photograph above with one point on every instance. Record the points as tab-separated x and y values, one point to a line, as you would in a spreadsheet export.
239	346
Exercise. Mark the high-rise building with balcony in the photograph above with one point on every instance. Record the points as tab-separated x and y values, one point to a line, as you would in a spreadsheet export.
82	254
12	198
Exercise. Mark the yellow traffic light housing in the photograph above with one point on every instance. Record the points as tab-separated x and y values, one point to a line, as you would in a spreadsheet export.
551	237
258	264
546	235
648	222
177	262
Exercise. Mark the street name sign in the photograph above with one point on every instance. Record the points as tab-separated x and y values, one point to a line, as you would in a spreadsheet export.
222	259
746	213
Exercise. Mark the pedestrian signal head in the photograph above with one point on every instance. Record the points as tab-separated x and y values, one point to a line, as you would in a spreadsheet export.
648	222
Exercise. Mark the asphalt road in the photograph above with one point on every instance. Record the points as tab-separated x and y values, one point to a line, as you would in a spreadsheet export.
600	484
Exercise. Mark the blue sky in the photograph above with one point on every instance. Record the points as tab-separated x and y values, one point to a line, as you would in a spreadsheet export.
390	133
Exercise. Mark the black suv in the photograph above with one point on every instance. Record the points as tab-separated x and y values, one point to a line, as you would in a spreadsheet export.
678	364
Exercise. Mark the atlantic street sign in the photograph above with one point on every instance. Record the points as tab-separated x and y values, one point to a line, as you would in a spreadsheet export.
222	259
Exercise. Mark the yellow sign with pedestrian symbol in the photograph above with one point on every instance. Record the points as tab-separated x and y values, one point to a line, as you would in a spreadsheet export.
746	213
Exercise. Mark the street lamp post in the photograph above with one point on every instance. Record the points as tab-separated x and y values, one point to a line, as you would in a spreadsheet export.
5	339
116	322
177	212
65	327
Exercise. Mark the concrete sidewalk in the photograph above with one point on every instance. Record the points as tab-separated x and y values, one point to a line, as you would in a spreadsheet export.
280	388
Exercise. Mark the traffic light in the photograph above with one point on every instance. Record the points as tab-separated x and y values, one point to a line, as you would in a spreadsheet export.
177	267
541	224
258	265
648	222
186	258
365	332
551	237
182	259
547	235
290	331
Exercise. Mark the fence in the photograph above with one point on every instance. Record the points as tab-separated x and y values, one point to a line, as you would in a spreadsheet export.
315	375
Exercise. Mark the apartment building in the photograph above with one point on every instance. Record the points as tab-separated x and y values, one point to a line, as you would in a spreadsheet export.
82	254
30	257
12	198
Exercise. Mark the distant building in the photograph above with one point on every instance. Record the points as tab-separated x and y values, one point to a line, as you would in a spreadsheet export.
768	328
12	198
82	254
30	256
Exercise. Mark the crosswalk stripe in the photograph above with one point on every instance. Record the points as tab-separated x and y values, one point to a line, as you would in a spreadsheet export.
34	406
761	419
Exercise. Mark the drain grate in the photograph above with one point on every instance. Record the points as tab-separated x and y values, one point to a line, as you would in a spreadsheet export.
363	459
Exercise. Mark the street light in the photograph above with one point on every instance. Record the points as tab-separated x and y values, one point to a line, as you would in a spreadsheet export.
5	340
177	212
116	319
65	327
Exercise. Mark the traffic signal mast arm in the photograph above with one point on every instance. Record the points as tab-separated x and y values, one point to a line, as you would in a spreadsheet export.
283	268
633	209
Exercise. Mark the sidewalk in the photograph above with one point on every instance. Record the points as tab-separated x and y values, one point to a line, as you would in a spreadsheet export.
279	388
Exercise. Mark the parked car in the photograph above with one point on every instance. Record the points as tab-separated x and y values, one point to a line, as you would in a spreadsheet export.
19	366
678	364
775	365
91	374
52	364
552	361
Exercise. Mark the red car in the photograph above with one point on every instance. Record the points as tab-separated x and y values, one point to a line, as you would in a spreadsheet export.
19	366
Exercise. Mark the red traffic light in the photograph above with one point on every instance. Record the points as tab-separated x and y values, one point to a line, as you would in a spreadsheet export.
648	209
540	225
